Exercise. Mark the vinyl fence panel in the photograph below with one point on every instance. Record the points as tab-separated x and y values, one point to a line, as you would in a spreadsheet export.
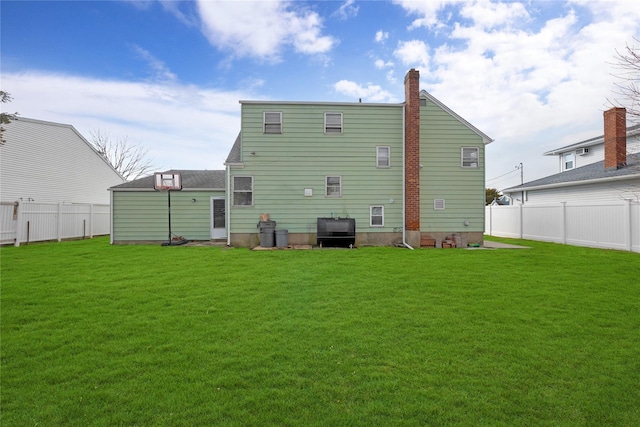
612	225
32	221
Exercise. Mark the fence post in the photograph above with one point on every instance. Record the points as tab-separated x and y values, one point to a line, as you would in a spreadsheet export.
563	224
91	213
59	228
626	219
19	225
520	210
490	220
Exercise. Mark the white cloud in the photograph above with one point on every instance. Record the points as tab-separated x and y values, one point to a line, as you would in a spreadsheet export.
370	92
262	28
380	64
161	71
428	10
413	53
381	36
182	126
487	14
347	10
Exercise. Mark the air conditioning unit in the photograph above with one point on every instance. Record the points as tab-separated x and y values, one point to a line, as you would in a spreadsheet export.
582	151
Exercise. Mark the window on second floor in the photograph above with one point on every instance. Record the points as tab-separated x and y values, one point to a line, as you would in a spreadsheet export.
272	122
568	161
470	157
333	186
383	156
332	122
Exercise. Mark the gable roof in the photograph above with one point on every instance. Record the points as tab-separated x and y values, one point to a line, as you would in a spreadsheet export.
191	180
591	173
631	132
486	139
235	153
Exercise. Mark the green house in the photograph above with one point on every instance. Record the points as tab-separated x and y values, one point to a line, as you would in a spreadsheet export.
409	174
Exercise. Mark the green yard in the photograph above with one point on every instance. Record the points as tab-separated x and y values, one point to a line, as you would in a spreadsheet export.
100	335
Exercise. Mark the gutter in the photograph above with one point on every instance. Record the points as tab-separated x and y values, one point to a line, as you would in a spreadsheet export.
404	172
572	183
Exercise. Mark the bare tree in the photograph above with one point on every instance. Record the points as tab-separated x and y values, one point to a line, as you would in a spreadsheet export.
5	118
628	74
130	160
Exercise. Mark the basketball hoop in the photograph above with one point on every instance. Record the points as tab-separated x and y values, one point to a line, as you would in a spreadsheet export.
168	182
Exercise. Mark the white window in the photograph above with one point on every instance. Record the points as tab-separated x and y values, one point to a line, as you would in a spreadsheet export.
332	122
272	122
383	156
242	191
470	157
376	216
438	204
333	186
568	161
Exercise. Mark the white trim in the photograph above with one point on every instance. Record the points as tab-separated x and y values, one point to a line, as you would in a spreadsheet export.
378	165
326	186
371	224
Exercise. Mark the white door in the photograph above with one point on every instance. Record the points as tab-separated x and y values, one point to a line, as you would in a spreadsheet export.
218	218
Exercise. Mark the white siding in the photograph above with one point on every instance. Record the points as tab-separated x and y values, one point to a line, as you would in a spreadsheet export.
51	162
607	191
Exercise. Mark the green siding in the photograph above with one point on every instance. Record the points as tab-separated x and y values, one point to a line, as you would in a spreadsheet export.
443	177
285	164
143	215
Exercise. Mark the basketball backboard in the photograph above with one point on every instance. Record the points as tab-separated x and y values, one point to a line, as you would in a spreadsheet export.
167	181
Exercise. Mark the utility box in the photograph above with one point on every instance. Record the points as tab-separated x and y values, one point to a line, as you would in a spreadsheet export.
336	232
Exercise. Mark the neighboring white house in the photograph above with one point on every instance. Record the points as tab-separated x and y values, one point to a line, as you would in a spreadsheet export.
600	169
51	162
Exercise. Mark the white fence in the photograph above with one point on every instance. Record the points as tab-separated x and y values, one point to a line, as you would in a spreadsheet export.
24	222
614	225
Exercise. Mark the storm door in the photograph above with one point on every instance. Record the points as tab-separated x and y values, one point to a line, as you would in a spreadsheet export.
218	218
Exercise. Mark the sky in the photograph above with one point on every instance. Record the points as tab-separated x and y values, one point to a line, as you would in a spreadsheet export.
168	75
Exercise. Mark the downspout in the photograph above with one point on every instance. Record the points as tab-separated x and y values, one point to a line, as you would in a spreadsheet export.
110	216
404	172
227	206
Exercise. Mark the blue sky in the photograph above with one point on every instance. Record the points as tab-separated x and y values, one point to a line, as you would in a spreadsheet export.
168	75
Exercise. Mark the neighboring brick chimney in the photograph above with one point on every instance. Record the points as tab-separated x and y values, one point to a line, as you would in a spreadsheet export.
615	138
412	150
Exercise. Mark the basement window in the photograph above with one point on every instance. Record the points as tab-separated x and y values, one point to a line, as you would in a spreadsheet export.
470	157
332	122
272	122
376	216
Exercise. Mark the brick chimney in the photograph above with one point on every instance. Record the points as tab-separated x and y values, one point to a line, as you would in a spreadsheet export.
412	150
615	138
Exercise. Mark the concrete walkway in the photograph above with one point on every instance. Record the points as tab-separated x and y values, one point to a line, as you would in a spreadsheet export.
497	245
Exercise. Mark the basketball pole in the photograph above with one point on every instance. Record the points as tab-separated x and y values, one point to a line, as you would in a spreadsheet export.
169	210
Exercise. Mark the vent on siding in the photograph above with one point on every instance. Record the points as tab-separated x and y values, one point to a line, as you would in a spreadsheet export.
438	204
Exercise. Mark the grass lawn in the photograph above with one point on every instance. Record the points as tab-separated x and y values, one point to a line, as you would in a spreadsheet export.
100	335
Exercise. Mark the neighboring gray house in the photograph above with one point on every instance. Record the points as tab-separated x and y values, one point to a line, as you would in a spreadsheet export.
51	162
604	168
140	214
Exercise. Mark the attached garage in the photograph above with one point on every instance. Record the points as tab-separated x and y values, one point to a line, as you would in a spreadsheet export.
140	214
